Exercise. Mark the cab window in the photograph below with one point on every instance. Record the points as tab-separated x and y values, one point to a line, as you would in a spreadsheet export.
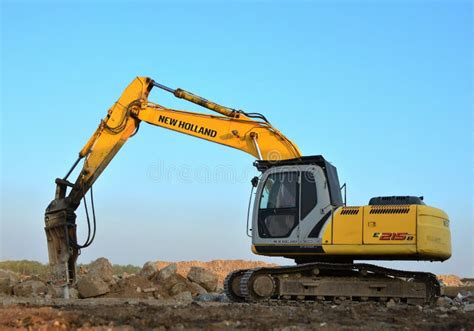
279	191
309	196
278	212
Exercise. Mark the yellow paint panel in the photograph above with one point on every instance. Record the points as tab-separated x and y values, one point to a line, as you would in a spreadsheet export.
235	133
327	235
434	236
347	225
390	225
384	251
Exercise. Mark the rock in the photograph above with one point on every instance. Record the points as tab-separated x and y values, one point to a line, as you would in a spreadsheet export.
170	281
58	292
209	297
30	288
8	279
176	284
73	293
206	297
179	288
197	289
166	272
183	297
149	270
391	304
469	307
138	287
464	296
444	301
203	277
467	281
102	269
222	297
90	286
454	291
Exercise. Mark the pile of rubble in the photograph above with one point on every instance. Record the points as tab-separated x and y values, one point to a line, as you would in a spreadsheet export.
219	267
13	284
183	281
99	281
463	300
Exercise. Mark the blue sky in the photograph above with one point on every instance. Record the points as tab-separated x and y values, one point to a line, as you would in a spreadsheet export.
382	89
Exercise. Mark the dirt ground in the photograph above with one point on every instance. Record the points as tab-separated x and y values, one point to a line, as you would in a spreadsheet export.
139	314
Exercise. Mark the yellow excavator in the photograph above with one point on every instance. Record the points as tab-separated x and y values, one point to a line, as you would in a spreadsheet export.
298	210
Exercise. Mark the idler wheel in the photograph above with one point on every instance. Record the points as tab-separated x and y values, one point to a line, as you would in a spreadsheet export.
232	286
263	286
235	285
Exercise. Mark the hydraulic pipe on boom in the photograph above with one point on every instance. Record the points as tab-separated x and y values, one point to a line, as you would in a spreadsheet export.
188	96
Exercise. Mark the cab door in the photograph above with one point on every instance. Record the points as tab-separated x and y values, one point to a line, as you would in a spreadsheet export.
277	208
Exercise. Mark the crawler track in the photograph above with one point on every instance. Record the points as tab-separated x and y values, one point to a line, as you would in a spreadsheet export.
232	285
329	281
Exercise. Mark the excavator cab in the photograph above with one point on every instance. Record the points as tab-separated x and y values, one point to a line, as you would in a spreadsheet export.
294	200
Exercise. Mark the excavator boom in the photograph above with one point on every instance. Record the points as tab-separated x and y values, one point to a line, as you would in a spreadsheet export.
251	133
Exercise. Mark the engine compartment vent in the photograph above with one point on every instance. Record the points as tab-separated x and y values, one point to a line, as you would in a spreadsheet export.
396	200
350	210
390	210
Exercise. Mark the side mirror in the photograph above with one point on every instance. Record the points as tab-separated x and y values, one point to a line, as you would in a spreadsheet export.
254	181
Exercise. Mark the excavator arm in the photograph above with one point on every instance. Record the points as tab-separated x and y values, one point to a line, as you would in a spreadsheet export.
251	133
